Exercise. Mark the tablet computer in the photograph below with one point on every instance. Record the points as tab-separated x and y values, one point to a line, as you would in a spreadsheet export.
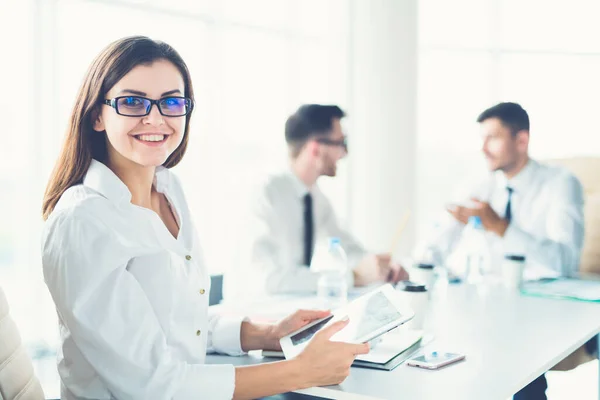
371	315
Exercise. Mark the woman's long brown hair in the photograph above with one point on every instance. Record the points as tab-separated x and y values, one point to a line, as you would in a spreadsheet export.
82	143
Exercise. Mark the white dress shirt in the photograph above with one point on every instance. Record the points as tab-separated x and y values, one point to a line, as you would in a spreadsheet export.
546	224
132	300
271	243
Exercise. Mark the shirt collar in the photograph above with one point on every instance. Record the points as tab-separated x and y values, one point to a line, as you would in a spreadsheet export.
299	187
104	181
522	180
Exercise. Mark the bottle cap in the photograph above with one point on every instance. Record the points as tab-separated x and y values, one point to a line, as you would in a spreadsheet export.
334	240
475	222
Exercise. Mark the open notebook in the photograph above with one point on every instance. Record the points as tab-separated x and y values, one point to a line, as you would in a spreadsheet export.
393	349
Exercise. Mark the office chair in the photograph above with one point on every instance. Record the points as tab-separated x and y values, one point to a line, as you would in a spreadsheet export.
216	290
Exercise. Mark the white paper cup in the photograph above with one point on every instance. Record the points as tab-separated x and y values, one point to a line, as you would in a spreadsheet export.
512	271
416	296
423	273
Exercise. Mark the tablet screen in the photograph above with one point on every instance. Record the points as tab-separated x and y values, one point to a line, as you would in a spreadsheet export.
367	315
306	334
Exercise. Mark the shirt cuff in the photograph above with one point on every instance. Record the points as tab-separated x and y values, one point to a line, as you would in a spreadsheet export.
355	258
350	279
518	242
226	336
218	381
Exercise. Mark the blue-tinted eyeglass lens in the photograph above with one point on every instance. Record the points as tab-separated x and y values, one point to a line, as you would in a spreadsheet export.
173	105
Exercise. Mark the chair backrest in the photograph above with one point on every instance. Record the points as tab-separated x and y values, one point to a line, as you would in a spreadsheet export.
17	381
216	290
587	170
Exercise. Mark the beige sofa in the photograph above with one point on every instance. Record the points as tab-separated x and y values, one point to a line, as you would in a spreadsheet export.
587	170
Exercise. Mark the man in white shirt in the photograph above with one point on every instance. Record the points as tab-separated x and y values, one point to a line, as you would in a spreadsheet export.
289	214
526	208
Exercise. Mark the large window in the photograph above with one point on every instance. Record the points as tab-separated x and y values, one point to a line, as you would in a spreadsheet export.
472	54
252	62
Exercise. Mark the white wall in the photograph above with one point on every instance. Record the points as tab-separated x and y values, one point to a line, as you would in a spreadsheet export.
383	65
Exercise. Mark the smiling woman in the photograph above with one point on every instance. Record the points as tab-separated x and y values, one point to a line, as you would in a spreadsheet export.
122	259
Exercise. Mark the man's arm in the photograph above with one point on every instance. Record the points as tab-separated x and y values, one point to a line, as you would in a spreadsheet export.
561	249
265	265
365	268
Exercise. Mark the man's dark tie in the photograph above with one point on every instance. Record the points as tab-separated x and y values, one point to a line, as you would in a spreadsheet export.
508	212
308	229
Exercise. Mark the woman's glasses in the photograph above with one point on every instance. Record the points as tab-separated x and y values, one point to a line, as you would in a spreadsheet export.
137	106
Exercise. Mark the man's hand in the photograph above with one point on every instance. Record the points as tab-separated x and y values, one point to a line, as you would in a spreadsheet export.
489	218
397	273
460	213
378	268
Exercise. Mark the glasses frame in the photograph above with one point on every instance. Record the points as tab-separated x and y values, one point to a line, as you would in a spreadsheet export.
343	143
114	104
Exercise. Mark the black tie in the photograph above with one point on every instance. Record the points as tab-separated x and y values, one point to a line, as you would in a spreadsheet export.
308	229
508	212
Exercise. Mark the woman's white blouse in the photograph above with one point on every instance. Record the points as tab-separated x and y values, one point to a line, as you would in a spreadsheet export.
132	300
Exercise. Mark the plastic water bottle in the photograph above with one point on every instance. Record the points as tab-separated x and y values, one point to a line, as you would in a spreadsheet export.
477	257
332	286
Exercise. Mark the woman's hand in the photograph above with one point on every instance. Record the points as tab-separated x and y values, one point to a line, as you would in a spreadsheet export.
288	325
324	362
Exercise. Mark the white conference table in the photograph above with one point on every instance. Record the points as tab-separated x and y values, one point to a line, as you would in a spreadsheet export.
509	340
